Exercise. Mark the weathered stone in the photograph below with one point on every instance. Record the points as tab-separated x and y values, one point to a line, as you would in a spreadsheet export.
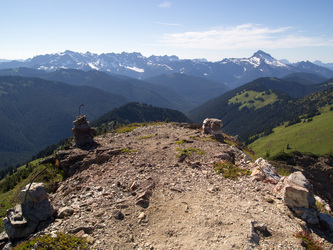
73	160
212	126
35	194
254	237
3	239
143	203
225	156
25	218
80	233
87	230
238	154
65	211
117	214
310	215
295	194
303	191
326	221
264	171
299	179
51	159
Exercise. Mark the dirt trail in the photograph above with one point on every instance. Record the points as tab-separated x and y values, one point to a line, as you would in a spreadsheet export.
144	198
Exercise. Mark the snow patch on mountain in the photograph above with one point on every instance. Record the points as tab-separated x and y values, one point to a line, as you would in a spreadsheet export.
135	69
231	71
93	66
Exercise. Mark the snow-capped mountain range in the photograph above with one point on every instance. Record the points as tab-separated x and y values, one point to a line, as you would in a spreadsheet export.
231	71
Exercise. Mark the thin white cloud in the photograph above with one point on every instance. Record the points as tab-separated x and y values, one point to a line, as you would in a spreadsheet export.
246	36
165	4
167	24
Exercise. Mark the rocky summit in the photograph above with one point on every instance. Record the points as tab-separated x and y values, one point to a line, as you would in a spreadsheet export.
164	187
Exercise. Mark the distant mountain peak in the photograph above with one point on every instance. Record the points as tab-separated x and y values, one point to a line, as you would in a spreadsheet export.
264	57
261	53
231	71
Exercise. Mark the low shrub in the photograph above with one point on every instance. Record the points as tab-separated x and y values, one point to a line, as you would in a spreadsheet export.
308	241
188	151
62	241
229	170
145	137
128	150
181	142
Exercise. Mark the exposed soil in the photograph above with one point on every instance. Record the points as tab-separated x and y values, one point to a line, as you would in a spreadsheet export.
140	195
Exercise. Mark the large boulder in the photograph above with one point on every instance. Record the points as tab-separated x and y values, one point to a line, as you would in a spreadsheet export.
297	193
33	194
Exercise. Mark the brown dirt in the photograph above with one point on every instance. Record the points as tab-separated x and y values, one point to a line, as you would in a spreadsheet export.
188	206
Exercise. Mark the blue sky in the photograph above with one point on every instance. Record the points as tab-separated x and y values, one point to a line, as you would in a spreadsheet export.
295	30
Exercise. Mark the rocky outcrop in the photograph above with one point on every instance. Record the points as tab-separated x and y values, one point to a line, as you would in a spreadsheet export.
34	212
82	132
74	160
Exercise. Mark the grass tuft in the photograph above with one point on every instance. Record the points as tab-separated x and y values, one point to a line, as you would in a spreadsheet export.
128	151
145	137
229	170
132	126
181	142
308	241
62	241
188	151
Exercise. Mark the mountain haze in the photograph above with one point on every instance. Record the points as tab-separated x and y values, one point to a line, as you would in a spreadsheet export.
36	113
196	90
304	78
132	89
231	71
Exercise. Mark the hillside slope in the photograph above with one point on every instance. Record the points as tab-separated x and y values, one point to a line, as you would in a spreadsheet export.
304	78
35	113
313	137
133	89
136	112
259	106
310	135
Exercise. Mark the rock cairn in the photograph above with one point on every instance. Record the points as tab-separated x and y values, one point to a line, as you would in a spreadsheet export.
82	132
34	213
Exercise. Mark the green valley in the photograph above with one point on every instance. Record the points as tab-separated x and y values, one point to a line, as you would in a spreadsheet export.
254	99
307	137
